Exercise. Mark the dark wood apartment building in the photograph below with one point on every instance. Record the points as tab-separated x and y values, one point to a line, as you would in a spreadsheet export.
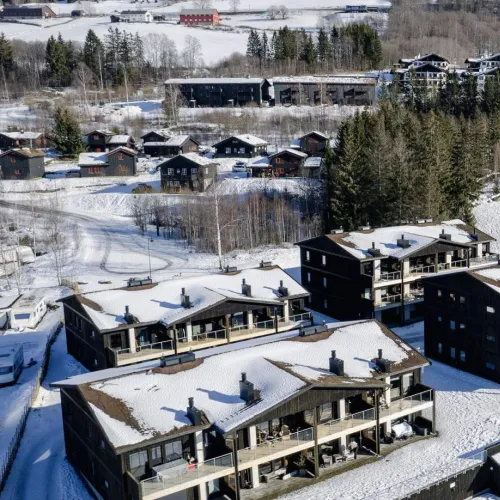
462	321
379	272
228	425
314	143
23	139
241	146
27	12
171	146
147	320
187	172
286	163
100	141
221	92
17	164
119	162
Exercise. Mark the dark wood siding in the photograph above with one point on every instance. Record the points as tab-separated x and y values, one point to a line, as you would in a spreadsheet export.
236	148
286	165
121	163
96	142
16	166
182	173
313	145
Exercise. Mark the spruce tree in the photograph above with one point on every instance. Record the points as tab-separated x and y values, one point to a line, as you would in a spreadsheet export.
6	58
67	134
323	48
93	53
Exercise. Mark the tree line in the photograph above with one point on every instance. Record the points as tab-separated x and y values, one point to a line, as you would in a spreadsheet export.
353	47
398	164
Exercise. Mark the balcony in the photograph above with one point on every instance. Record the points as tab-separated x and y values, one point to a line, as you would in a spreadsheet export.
275	448
386	276
190	476
343	426
388	300
407	405
202	340
485	260
143	352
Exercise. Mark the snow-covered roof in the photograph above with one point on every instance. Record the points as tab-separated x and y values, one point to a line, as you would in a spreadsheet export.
320	134
277	369
100	131
29	301
134	12
338	80
162	302
163	132
22	135
119	139
92	159
197	12
176	140
194	157
7	301
358	243
28	153
213	81
490	276
293	152
122	148
313	162
8	354
249	139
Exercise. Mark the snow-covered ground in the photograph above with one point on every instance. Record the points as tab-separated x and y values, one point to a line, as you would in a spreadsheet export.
14	398
487	216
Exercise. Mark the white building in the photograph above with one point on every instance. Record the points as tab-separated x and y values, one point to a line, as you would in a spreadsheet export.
28	310
136	16
430	70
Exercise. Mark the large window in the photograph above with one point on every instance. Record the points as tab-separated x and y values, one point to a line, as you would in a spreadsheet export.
173	451
156	455
452	353
325	412
138	460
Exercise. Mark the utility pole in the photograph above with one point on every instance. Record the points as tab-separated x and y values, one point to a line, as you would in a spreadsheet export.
150	240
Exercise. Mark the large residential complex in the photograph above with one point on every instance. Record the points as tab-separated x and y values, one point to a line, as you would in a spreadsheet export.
462	321
379	272
236	423
147	320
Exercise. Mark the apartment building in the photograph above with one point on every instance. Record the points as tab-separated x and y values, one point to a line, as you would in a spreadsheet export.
379	272
429	71
237	423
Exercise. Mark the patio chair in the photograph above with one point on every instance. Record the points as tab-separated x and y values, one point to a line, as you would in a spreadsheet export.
285	433
327	460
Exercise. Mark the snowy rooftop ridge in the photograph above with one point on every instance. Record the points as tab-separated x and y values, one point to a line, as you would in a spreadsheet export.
194	157
162	301
214	81
277	369
358	243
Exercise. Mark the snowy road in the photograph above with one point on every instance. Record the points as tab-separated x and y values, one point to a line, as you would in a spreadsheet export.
40	468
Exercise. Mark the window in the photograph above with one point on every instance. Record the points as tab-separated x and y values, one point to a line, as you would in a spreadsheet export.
462	299
452	353
12	159
92	334
184	171
123	168
96	137
206	170
156	455
323	260
120	156
462	326
170	171
490	366
308	255
194	171
96	363
324	281
490	338
440	319
95	170
102	445
17	171
325	304
106	485
309	277
173	451
453	297
452	325
440	348
462	356
490	309
325	411
138	459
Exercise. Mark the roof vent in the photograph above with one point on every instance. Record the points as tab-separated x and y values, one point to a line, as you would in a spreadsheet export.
193	413
266	263
185	302
375	252
339	230
336	365
445	236
247	391
282	290
246	289
403	242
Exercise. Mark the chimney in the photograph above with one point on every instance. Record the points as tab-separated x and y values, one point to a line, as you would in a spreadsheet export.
403	242
128	317
185	302
247	391
336	365
373	251
193	413
380	354
283	290
383	365
246	289
445	236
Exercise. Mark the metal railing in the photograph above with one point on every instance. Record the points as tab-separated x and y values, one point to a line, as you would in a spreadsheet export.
414	294
458	263
266	325
492	257
396	275
238	328
422	269
272	446
348	422
166	345
190	472
389	299
212	335
408	402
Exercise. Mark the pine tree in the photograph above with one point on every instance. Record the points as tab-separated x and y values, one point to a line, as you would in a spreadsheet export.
323	48
6	58
67	134
308	51
93	52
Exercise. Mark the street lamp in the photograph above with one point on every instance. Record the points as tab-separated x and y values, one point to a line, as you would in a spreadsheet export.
150	240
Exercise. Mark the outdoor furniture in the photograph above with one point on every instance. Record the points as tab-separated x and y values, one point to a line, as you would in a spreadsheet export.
172	469
349	456
338	458
328	460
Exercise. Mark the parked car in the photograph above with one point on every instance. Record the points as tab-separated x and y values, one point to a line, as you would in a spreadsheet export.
73	173
240	166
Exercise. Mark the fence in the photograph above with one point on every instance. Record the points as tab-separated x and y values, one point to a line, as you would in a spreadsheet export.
16	439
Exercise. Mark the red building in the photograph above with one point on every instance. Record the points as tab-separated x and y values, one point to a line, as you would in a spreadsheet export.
192	17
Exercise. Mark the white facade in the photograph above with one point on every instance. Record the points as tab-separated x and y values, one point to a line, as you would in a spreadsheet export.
136	16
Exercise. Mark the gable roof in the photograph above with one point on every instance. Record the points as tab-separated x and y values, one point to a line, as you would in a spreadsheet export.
100	132
162	133
197	12
215	81
179	140
251	140
130	412
27	153
192	157
22	135
316	133
120	139
293	152
358	243
161	303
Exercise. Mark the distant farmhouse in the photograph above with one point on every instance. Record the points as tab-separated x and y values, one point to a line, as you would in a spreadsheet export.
191	17
27	11
118	162
188	171
313	143
219	92
99	141
136	16
17	164
349	90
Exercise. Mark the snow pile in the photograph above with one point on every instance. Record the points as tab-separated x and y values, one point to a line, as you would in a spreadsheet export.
487	216
242	186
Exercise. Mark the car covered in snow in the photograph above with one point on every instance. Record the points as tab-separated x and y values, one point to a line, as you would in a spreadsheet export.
403	430
240	166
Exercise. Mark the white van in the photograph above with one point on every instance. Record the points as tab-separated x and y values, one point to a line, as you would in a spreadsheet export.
11	364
